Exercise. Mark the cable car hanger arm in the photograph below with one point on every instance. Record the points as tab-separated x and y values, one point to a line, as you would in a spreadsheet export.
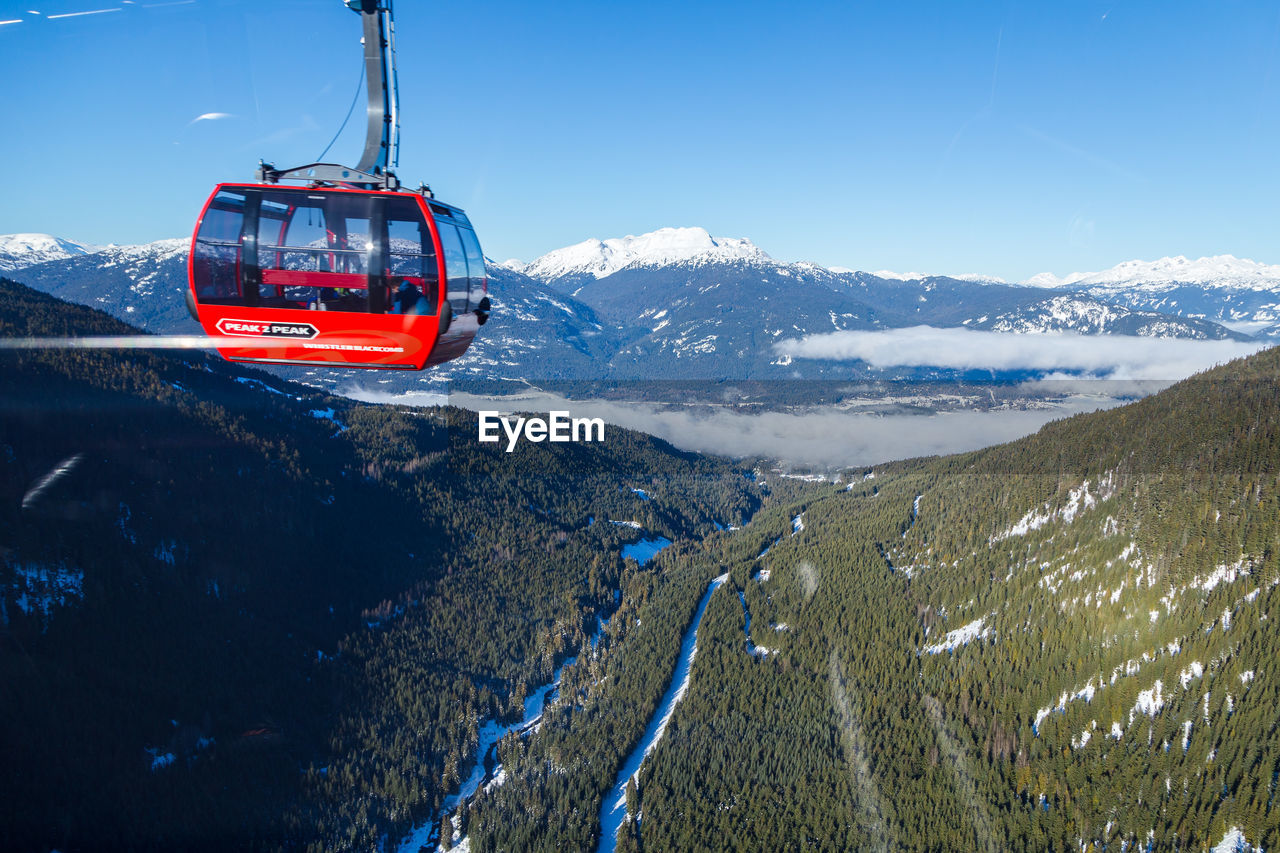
377	165
382	138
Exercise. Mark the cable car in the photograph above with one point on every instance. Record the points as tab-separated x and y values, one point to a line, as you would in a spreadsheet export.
348	270
350	277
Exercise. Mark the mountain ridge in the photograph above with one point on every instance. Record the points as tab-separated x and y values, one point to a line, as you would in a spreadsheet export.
1216	270
599	257
676	303
22	250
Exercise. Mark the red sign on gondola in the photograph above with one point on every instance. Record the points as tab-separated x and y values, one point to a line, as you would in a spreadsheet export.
258	329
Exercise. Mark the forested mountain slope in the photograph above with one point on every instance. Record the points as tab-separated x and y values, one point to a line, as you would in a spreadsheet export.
1063	643
235	612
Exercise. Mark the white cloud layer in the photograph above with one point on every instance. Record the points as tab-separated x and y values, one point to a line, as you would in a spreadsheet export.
1104	356
825	438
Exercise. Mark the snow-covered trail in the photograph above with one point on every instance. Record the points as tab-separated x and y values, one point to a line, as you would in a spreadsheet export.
484	766
613	811
424	835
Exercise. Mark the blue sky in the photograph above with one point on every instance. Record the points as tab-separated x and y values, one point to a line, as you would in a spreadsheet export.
1007	138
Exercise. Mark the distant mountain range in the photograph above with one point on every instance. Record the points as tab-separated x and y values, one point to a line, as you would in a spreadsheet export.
1241	294
678	303
18	251
1216	271
142	285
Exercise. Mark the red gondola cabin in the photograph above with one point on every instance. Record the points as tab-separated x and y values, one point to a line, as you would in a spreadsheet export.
335	276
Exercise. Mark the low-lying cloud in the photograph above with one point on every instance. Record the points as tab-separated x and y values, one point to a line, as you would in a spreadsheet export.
830	437
1103	356
823	438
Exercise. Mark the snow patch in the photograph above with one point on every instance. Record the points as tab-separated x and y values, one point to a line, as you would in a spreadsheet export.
960	637
160	760
1194	670
498	780
1149	702
645	550
328	415
1078	500
245	380
38	589
806	478
1222	574
1234	841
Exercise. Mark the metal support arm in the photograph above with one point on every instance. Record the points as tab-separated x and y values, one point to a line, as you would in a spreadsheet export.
382	138
377	165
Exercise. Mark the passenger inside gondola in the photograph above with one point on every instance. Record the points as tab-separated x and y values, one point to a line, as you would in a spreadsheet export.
409	299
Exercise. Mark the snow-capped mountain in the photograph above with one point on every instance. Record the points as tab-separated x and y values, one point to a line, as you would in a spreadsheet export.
595	259
700	319
977	278
673	304
1218	271
142	285
1236	292
1086	316
18	251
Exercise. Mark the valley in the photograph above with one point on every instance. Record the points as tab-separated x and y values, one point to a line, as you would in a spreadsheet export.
1053	643
383	565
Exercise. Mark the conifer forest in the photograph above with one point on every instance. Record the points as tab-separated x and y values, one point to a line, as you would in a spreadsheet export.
240	613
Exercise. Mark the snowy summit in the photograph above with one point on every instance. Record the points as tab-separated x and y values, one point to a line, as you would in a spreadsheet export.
18	251
599	258
978	278
1216	271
